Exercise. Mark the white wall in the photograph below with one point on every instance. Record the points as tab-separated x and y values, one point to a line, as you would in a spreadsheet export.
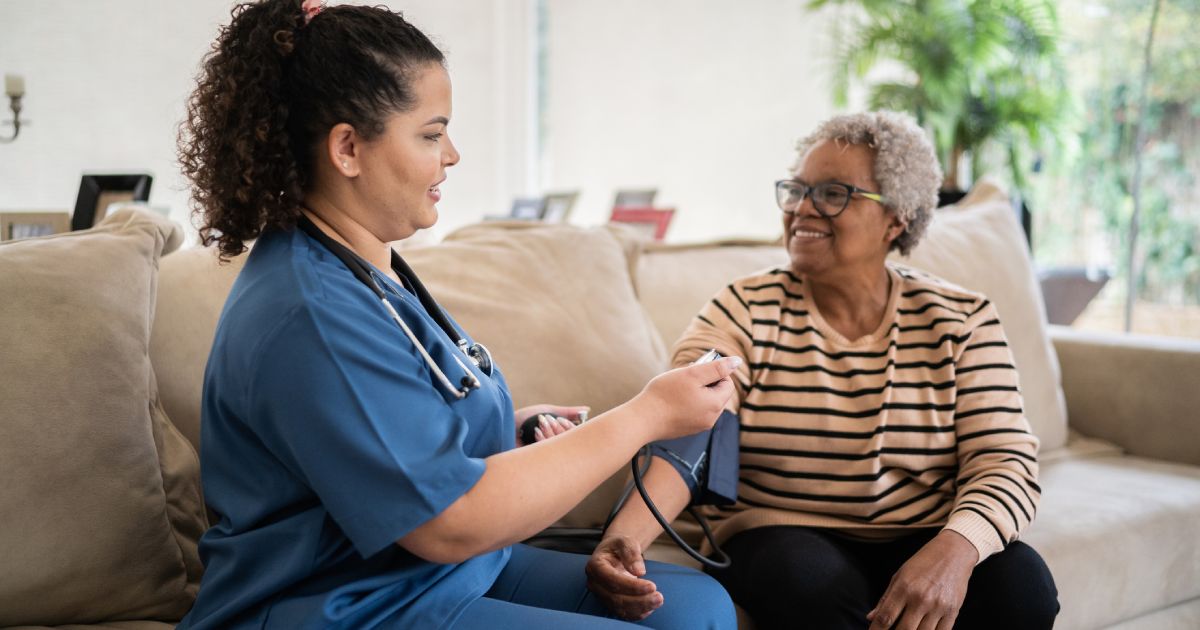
106	83
699	98
703	99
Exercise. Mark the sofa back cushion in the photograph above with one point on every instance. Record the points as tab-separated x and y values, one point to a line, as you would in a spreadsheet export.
675	281
100	508
191	294
978	244
555	305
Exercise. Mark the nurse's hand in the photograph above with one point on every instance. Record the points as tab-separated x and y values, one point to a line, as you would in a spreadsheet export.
686	400
555	420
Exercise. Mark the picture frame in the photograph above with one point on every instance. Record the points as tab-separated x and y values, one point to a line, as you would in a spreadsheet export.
635	198
653	222
97	192
527	208
558	206
19	225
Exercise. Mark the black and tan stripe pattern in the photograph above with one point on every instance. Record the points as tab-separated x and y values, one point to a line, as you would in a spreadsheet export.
919	424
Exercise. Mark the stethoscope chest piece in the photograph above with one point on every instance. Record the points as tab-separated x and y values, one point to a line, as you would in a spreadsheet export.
479	355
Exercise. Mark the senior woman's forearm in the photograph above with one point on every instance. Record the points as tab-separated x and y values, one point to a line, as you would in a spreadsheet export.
997	491
670	496
525	490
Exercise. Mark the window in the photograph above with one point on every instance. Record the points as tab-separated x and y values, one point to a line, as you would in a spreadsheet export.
1083	197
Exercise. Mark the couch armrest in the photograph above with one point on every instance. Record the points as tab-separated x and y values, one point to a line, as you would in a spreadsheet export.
1138	391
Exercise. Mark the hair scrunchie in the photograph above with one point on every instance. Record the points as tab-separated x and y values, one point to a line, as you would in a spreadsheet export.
311	8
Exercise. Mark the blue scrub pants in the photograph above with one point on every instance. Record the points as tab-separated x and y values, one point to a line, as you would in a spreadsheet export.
548	589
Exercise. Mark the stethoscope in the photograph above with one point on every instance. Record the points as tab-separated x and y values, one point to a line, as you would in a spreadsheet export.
476	353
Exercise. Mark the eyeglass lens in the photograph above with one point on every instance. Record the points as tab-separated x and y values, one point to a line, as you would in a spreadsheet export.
829	198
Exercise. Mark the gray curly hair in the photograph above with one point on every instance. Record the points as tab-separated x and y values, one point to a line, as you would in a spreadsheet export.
906	165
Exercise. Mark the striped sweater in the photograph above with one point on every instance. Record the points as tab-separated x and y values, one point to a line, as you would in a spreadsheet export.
919	424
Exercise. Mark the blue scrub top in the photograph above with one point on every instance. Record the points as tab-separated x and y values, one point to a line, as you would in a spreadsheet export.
325	439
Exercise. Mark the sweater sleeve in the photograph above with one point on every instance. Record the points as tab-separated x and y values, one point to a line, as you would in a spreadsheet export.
722	324
997	491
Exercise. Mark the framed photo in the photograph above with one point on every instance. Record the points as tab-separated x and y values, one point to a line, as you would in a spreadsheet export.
635	198
653	222
558	206
97	192
527	208
15	225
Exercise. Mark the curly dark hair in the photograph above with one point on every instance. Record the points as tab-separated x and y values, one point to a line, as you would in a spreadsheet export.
270	90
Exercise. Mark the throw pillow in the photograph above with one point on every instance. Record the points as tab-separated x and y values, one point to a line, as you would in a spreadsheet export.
979	245
100	507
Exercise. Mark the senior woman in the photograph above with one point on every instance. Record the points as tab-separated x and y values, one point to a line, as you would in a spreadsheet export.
886	467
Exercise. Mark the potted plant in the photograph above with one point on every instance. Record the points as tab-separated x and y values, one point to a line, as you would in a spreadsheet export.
983	76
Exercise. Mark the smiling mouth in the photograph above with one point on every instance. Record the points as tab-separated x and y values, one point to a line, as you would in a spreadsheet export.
798	233
435	190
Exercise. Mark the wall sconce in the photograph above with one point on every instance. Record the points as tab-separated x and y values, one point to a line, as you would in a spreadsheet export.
14	87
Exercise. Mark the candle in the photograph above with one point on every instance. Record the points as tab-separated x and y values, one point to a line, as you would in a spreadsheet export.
14	85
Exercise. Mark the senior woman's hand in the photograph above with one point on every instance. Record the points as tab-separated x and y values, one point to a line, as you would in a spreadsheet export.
928	590
614	575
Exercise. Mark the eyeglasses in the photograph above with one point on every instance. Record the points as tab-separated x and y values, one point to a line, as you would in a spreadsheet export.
829	198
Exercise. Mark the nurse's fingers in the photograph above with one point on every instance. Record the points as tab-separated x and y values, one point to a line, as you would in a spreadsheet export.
550	426
574	413
720	369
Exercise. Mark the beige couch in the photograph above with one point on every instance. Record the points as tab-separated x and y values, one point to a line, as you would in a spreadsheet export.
576	316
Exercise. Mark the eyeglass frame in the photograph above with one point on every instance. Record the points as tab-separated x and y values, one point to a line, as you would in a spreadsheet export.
854	190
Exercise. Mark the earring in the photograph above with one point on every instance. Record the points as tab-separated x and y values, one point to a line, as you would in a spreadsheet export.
345	165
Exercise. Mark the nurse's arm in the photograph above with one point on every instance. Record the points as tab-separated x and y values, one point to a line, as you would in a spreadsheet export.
525	490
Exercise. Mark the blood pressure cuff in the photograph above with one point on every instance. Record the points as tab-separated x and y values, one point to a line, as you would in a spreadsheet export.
707	461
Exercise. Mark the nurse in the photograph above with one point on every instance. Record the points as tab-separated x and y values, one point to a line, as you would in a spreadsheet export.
359	446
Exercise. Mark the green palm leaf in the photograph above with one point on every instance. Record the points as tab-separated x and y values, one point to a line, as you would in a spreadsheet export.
980	71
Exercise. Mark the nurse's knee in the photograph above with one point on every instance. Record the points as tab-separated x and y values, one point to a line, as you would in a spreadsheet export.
691	600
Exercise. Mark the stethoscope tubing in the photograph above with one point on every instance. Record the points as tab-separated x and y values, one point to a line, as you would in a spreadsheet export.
458	392
359	268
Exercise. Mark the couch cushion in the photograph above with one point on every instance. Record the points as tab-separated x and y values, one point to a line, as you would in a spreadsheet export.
193	285
556	307
1181	616
100	503
1119	535
978	244
675	281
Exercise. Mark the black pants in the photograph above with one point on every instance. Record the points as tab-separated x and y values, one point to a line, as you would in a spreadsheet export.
797	577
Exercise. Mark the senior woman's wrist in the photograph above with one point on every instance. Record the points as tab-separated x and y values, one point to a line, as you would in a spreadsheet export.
958	547
976	531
